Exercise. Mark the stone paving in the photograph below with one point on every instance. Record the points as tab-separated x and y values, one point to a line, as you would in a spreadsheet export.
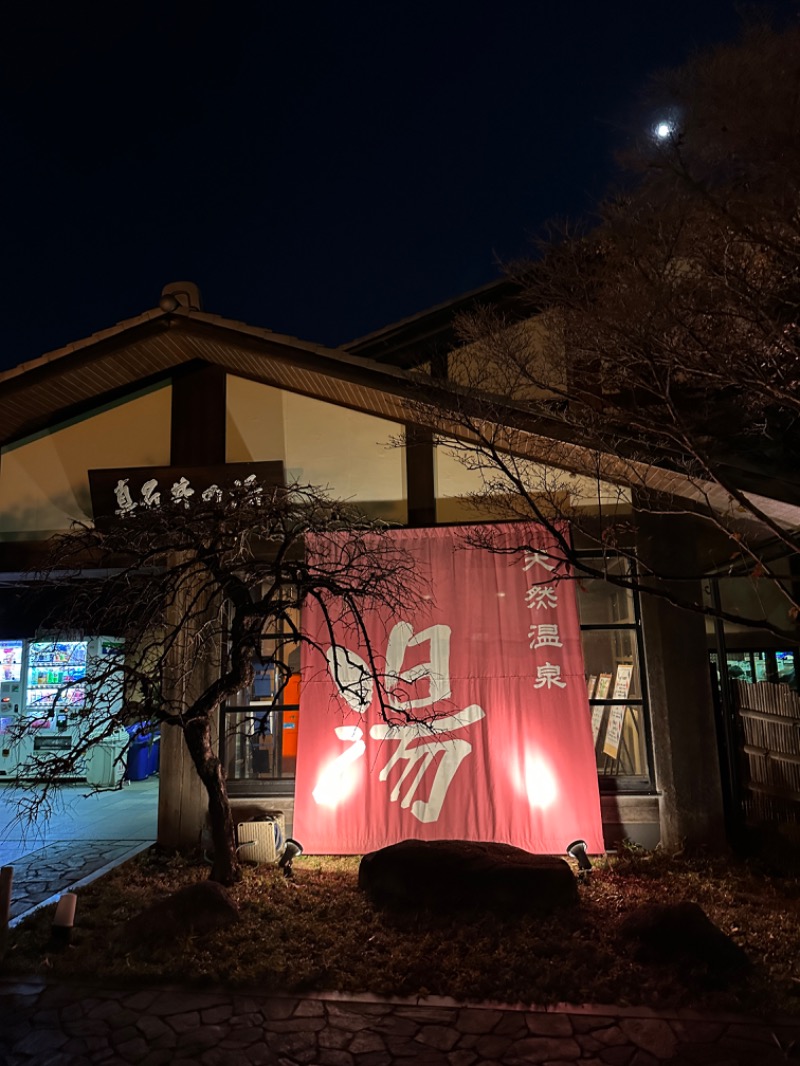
51	870
52	1025
79	837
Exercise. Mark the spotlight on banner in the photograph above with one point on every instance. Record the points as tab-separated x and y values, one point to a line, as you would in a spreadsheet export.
577	850
291	849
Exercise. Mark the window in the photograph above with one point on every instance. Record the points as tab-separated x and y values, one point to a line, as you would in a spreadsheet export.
260	724
611	635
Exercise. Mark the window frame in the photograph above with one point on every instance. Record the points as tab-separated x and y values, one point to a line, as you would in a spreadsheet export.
610	782
276	785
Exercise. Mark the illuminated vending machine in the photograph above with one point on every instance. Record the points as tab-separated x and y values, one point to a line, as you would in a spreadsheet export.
11	701
55	696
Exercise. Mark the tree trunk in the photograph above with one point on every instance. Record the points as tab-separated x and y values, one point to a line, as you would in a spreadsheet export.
226	869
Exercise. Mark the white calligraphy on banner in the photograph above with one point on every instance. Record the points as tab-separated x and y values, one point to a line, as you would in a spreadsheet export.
458	715
421	745
545	635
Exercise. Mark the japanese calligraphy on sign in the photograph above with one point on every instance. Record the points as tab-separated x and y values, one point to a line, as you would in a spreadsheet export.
616	717
122	494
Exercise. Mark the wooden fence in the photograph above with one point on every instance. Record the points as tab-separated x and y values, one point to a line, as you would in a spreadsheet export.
769	740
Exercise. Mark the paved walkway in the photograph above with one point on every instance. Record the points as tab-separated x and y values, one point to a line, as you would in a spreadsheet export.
52	1025
84	836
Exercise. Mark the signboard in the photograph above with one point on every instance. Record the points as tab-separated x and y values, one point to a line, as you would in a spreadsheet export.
598	713
57	743
616	717
122	492
484	735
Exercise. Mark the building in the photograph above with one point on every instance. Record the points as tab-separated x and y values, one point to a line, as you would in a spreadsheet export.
179	387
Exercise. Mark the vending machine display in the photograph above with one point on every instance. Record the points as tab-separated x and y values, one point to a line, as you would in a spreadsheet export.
10	681
55	676
11	660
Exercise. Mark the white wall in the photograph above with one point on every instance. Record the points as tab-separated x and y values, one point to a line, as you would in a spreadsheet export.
349	453
43	479
460	475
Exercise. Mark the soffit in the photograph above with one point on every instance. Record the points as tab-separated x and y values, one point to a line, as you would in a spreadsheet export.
71	381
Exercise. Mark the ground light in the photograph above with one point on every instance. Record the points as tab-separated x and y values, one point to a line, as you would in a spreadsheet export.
577	850
291	849
64	920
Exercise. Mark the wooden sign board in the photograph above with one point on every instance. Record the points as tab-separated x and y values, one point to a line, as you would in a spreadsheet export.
124	491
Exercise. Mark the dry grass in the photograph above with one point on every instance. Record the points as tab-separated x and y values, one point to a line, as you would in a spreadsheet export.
318	932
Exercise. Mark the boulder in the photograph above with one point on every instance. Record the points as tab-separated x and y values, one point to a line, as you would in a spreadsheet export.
192	911
446	874
681	933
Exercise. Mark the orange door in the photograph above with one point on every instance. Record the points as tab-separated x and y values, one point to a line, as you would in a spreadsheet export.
291	695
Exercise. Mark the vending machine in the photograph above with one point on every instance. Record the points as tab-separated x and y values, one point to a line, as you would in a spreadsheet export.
56	674
51	697
11	700
11	690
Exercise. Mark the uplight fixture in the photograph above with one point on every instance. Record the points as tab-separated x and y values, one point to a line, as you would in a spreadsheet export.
577	850
291	849
61	929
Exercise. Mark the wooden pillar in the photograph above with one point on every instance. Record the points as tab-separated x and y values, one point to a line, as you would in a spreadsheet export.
198	439
420	484
199	415
685	743
182	799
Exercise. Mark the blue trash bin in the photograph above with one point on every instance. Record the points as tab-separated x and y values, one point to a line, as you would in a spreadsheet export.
138	759
138	765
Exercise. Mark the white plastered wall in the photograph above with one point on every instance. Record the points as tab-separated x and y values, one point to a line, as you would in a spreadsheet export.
350	454
43	480
459	479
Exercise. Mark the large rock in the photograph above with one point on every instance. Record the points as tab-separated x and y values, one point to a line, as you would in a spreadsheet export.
681	933
447	874
193	911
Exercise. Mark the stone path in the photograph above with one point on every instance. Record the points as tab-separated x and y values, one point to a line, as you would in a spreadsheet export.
44	874
52	1025
78	838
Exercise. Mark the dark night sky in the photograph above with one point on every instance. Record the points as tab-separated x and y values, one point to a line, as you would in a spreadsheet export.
322	169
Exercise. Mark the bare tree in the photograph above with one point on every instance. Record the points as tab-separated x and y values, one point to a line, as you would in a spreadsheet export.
193	592
659	362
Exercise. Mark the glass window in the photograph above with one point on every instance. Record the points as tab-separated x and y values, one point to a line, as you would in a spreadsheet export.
600	602
260	744
762	665
611	640
604	651
260	723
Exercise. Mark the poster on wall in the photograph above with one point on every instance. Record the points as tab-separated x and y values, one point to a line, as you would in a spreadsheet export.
616	717
603	685
460	714
598	713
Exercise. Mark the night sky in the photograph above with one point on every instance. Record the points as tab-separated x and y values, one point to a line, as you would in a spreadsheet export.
321	169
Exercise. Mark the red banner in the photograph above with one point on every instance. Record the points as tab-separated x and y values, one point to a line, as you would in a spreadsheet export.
489	667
